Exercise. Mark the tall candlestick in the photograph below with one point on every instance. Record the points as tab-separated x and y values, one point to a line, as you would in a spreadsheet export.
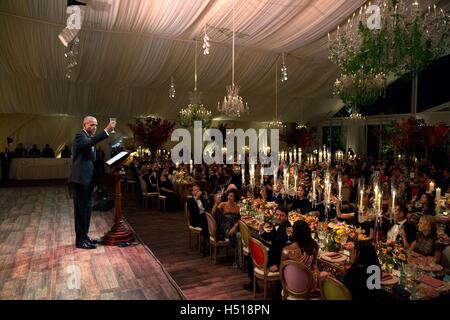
243	176
295	183
191	167
300	156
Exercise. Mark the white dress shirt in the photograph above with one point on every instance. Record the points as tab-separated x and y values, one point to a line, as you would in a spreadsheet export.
395	230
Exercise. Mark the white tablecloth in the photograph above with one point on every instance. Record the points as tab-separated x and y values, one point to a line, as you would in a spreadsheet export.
40	168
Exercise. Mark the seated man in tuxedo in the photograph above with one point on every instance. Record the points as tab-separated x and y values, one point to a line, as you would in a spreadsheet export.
197	206
278	238
401	227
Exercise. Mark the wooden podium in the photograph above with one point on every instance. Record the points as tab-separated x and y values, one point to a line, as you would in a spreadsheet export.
119	233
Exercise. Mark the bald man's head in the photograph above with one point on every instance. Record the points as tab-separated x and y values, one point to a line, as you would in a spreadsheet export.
90	125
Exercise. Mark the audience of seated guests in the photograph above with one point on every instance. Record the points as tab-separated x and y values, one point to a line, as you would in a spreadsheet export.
150	177
300	201
66	152
278	238
356	277
197	206
34	152
48	152
20	151
401	227
426	239
304	249
166	189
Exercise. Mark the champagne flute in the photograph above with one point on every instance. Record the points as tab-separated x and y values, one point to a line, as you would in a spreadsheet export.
114	122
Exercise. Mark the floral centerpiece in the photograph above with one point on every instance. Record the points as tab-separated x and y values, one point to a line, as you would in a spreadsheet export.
392	254
311	220
255	207
182	177
340	234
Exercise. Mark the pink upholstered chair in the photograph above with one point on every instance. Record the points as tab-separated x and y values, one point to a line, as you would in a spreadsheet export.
297	280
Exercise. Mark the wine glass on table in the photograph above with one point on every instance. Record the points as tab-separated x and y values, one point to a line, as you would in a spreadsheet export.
113	121
289	231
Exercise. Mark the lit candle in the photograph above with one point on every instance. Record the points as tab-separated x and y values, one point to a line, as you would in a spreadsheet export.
340	189
191	166
431	187
262	176
295	183
393	200
243	177
438	194
285	178
300	156
361	196
314	189
177	164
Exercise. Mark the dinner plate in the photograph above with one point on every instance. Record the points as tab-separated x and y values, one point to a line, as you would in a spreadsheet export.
340	258
391	281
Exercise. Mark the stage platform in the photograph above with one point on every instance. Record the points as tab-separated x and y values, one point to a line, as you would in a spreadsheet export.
38	259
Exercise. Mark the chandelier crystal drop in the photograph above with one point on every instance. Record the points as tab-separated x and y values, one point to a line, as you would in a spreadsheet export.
233	104
276	124
206	45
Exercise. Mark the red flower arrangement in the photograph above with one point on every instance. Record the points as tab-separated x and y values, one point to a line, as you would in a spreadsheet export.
412	135
151	132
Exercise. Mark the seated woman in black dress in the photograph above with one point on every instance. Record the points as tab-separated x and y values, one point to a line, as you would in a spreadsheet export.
166	189
300	201
356	277
227	215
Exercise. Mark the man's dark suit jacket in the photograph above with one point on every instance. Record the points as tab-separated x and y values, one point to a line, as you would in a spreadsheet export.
278	238
196	218
83	156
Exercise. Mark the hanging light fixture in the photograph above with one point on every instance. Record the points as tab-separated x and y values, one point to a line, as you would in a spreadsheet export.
284	76
232	104
172	88
195	111
206	44
301	124
276	124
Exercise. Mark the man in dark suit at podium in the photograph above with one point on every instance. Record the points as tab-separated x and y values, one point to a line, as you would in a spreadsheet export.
83	151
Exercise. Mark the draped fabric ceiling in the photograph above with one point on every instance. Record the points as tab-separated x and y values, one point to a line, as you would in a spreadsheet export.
129	49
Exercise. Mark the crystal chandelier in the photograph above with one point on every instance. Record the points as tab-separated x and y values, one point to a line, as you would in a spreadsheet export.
195	111
301	125
232	104
72	56
389	37
276	124
355	116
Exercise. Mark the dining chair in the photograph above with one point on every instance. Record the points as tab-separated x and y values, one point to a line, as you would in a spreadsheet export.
147	195
245	239
333	289
196	231
161	200
297	280
260	258
215	244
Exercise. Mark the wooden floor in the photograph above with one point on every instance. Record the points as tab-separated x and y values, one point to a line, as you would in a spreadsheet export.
167	236
38	259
